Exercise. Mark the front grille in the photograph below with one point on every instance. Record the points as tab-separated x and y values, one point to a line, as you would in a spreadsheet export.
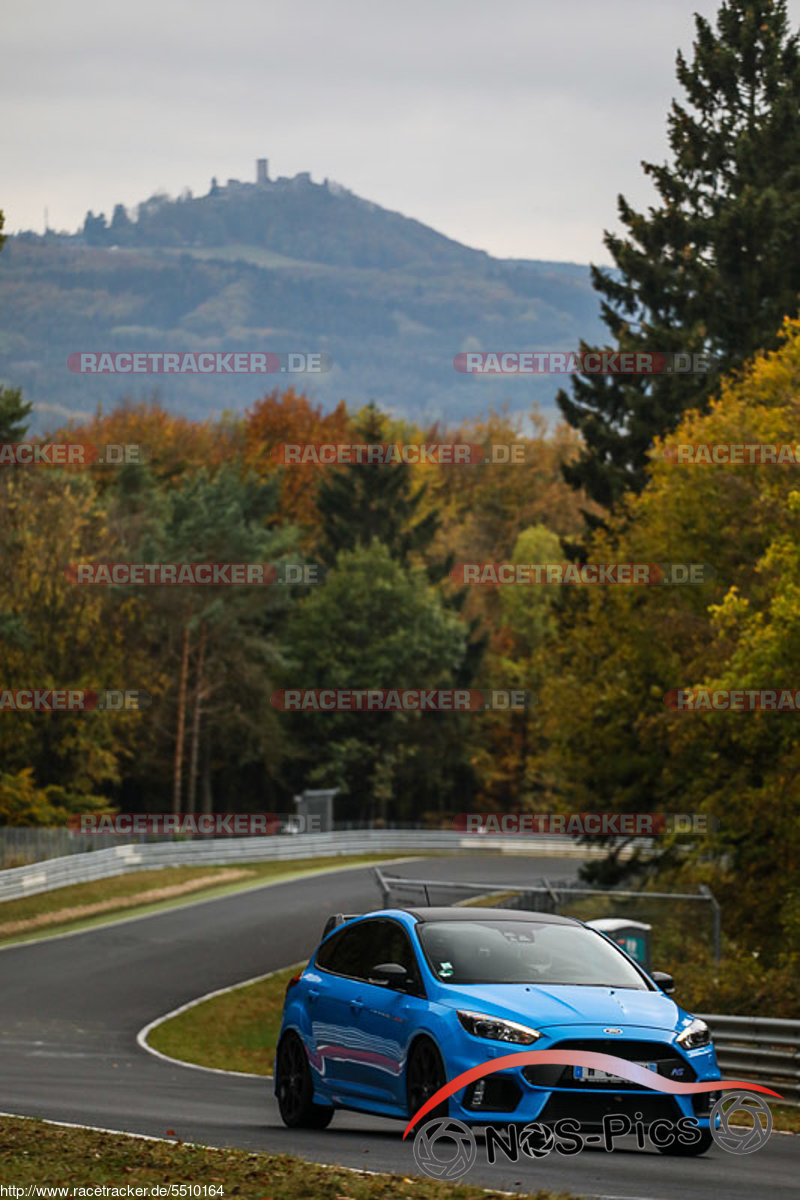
589	1111
668	1061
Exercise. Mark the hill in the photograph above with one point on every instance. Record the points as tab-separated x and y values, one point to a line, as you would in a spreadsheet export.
284	265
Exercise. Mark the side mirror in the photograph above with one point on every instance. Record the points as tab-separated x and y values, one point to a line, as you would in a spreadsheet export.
390	975
664	981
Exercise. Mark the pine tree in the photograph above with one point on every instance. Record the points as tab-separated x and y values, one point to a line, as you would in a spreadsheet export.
95	229
715	266
375	502
13	413
364	503
121	228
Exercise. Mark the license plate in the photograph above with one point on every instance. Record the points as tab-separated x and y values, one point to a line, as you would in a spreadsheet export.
595	1075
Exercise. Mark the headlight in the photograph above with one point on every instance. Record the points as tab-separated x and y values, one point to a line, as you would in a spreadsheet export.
695	1034
498	1030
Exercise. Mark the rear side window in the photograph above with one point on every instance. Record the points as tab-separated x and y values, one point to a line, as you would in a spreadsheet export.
327	950
352	951
356	950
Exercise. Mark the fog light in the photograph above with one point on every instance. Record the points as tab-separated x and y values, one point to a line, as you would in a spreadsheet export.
500	1093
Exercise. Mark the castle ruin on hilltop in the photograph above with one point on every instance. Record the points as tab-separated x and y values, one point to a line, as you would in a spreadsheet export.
301	179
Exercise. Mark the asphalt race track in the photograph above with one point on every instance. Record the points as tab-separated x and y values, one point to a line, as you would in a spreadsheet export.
71	1007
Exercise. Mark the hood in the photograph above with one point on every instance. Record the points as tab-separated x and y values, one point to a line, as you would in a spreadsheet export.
566	1004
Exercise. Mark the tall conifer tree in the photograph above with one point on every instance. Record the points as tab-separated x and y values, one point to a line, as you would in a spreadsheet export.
714	266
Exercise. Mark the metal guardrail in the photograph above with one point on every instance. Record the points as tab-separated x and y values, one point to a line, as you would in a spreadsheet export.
21	845
762	1050
17	882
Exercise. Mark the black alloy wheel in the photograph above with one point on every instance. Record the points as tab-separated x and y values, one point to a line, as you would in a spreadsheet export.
294	1088
424	1076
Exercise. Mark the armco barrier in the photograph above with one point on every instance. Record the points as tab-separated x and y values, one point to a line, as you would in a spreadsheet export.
761	1049
21	845
118	860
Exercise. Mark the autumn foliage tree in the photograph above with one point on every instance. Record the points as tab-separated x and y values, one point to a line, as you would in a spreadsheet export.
609	739
172	446
290	417
55	634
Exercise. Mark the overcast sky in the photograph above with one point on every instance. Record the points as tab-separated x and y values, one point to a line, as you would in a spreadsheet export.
510	125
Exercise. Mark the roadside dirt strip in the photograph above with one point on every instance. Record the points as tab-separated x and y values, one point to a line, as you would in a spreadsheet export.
150	896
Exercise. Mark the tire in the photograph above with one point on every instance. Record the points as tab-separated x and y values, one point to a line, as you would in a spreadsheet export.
679	1150
294	1089
424	1076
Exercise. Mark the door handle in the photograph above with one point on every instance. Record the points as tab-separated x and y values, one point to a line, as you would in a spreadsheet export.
357	1005
313	993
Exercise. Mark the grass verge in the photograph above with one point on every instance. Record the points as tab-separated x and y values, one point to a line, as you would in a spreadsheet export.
237	1031
71	908
488	900
34	1152
786	1118
60	916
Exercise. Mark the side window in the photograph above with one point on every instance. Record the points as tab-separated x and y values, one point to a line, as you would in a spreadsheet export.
352	952
327	950
355	951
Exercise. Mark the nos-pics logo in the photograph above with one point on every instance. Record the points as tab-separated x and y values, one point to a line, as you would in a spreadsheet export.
446	1149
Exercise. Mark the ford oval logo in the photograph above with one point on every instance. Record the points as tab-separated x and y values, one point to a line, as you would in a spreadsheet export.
612	1031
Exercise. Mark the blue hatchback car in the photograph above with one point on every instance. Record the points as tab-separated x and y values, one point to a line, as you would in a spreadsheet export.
395	1003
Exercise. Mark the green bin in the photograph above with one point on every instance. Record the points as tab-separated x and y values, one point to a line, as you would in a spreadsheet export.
632	936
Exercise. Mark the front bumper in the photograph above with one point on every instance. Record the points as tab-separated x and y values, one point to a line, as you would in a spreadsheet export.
550	1093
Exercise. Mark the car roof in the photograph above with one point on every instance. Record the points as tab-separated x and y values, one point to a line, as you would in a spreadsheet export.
441	913
487	914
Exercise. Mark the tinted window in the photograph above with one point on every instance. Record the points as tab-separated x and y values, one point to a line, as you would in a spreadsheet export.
327	950
524	952
356	950
352	951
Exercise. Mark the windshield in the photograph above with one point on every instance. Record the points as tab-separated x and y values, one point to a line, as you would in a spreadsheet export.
498	951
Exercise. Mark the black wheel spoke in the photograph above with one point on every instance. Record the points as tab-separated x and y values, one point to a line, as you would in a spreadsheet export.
294	1087
425	1076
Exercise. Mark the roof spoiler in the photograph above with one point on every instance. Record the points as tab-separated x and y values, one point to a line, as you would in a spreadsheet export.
336	920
